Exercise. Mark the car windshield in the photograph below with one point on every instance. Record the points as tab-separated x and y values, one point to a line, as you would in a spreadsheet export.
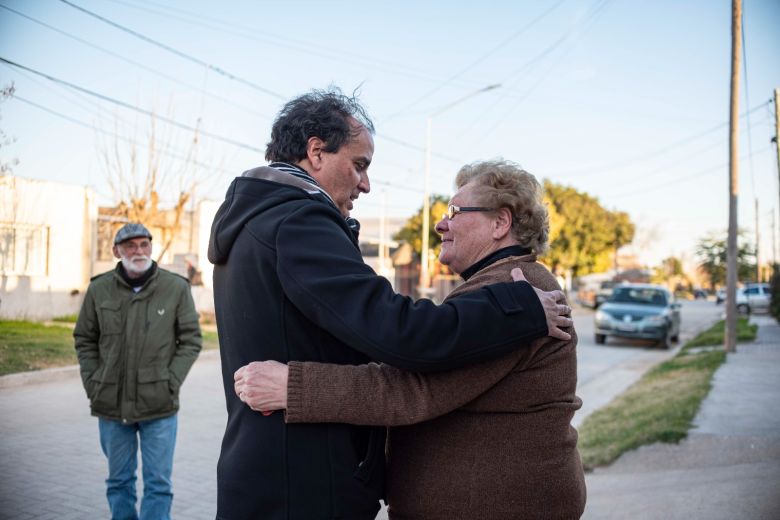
639	295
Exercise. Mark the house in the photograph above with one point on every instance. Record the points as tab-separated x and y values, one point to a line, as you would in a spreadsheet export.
54	237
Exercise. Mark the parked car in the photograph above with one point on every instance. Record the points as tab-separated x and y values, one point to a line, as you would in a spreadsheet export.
640	311
720	296
754	297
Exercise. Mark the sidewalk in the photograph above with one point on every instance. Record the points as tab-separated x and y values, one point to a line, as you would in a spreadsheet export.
728	467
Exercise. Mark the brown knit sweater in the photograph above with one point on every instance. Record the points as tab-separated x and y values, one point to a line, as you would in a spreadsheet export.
490	441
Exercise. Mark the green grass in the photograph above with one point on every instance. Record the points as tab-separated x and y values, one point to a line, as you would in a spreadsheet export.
714	335
26	346
68	318
661	406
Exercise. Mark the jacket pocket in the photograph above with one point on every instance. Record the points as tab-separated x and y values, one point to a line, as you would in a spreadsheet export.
104	391
153	391
110	317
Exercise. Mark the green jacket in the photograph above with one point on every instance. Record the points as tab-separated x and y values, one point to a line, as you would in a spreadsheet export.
135	349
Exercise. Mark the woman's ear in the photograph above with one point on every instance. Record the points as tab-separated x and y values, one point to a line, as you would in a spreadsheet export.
502	223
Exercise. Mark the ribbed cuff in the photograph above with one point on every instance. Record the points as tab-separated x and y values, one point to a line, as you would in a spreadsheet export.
294	392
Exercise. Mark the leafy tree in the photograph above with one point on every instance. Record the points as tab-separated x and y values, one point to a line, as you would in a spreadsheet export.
711	251
584	233
412	230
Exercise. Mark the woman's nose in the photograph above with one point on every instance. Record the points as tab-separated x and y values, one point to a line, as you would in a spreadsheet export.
442	225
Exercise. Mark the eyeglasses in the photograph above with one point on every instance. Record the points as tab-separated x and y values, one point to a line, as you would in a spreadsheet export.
132	247
453	210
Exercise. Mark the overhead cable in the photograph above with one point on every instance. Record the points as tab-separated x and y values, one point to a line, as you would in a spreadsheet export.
177	52
135	108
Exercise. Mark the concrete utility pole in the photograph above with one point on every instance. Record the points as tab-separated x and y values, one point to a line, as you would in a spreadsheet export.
425	277
730	338
758	250
777	136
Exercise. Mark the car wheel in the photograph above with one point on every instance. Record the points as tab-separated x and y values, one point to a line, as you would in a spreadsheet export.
675	338
601	339
665	342
743	308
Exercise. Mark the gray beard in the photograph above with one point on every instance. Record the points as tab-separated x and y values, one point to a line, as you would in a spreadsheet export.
131	268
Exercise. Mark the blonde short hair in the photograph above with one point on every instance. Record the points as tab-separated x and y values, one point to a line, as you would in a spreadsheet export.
504	184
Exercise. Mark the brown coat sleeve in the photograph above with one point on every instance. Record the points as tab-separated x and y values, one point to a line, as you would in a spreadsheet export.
381	395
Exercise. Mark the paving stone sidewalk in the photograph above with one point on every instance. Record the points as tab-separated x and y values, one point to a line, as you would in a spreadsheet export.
727	468
51	466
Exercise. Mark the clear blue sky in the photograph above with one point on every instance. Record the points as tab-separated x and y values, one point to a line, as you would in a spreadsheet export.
618	98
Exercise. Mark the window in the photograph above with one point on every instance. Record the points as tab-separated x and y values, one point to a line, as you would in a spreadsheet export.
24	249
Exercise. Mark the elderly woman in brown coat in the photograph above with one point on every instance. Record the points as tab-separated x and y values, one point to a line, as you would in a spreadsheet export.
490	441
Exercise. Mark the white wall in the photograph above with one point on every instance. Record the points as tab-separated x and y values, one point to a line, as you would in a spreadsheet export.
66	214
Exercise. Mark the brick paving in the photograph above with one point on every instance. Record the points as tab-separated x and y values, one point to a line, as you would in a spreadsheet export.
50	458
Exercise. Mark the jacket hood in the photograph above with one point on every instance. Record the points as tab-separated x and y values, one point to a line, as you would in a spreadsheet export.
255	192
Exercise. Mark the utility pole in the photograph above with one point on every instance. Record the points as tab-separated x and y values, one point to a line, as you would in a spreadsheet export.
425	277
777	136
758	248
730	338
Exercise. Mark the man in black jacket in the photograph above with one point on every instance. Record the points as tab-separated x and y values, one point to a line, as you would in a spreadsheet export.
290	284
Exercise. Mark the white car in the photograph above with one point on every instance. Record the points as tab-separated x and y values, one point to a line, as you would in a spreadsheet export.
754	297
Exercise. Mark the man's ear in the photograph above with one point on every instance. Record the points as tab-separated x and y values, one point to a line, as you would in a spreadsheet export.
314	149
502	223
115	249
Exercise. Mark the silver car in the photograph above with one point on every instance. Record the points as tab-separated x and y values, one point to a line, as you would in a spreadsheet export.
754	297
640	311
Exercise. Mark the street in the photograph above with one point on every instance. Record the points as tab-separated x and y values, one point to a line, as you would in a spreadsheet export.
51	465
604	371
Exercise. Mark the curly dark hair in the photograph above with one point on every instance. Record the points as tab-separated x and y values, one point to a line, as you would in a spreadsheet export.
319	113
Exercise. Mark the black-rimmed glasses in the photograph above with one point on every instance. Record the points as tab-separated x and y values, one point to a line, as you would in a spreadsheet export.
453	210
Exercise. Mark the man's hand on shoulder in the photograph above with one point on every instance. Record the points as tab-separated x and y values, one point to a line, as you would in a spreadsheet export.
555	308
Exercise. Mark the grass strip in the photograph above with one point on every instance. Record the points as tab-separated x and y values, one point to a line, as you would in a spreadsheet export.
661	406
26	346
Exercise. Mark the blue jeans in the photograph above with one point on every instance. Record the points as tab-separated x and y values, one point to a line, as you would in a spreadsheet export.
120	444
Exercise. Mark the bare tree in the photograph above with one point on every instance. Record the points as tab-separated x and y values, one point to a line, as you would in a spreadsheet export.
141	176
6	166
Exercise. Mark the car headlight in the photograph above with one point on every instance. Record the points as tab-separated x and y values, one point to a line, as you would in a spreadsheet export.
602	316
658	319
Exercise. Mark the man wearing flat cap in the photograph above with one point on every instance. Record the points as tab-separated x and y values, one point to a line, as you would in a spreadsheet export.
137	336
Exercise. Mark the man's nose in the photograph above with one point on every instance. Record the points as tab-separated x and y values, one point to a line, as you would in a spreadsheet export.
364	185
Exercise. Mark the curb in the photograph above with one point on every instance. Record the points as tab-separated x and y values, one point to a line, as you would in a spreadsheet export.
48	375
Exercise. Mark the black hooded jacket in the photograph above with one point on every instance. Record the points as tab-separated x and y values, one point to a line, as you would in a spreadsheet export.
290	284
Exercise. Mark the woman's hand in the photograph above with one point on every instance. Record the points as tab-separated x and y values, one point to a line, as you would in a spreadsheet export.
262	385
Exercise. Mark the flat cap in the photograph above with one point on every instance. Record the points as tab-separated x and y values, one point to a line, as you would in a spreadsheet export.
132	230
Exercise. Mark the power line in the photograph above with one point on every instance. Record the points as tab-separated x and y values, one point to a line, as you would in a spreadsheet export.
211	167
251	33
136	63
479	60
700	173
177	52
135	108
114	134
660	151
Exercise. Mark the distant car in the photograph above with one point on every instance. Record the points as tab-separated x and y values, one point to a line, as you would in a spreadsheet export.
720	296
603	294
640	311
754	297
700	294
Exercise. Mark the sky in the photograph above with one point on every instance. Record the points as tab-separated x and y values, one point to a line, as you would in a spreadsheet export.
626	100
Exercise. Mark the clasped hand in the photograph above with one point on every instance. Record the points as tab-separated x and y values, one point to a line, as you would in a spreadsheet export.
262	385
